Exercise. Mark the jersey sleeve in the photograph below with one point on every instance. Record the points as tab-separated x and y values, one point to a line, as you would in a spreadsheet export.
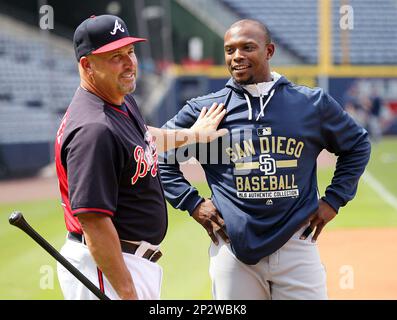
94	160
349	141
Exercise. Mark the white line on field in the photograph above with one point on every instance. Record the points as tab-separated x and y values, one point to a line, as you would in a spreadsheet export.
380	189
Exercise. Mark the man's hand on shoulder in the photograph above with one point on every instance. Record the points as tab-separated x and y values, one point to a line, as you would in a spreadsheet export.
205	128
208	216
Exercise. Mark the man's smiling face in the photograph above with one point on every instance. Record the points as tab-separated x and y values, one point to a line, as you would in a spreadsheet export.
247	53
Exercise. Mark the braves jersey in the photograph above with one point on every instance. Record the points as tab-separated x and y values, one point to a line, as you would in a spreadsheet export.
107	163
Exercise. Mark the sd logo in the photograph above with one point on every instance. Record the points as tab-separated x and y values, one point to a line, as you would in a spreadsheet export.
267	164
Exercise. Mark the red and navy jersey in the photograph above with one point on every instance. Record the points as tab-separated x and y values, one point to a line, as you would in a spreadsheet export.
107	163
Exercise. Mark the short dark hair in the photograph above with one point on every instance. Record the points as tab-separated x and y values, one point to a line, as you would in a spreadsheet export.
260	24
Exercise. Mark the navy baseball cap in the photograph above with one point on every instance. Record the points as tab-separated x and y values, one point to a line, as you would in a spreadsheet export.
99	34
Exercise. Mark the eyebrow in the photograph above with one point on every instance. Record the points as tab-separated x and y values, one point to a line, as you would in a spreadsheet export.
121	51
244	43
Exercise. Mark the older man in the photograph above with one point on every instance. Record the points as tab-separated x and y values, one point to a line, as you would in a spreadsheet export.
264	188
106	162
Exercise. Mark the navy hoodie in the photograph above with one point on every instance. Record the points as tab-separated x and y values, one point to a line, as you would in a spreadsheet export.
262	175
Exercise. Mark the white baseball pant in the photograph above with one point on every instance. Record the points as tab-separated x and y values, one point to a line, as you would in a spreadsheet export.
147	275
294	272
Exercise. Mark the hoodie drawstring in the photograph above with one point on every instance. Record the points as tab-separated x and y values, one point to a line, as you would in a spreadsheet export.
263	106
261	102
249	106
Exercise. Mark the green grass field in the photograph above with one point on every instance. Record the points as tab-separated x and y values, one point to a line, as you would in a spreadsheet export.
25	269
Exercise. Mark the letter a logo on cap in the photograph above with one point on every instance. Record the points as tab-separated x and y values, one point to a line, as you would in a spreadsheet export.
117	26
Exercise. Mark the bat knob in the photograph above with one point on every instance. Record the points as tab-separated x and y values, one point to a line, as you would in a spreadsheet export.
15	217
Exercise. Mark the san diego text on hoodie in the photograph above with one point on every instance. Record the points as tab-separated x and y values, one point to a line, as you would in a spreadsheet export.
263	179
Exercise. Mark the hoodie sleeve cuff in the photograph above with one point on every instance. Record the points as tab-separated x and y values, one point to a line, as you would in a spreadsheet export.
334	201
192	204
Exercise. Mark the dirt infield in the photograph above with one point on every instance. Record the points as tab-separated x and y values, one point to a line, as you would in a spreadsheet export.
28	189
361	263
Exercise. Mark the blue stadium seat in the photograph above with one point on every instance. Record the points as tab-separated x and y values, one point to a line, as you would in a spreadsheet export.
36	86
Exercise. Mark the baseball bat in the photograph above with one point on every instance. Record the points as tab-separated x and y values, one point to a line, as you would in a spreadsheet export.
16	219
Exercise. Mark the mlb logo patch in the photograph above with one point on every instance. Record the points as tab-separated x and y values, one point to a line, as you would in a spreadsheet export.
266	131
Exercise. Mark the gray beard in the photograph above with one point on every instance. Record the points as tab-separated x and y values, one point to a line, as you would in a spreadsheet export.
127	90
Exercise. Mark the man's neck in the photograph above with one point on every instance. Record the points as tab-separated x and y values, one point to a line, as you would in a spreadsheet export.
267	78
90	88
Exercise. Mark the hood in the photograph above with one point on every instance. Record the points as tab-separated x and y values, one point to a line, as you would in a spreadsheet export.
240	89
264	97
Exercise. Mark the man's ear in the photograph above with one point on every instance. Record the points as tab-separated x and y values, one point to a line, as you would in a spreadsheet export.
270	49
86	64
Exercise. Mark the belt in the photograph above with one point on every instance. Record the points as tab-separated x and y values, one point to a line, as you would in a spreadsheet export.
126	247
